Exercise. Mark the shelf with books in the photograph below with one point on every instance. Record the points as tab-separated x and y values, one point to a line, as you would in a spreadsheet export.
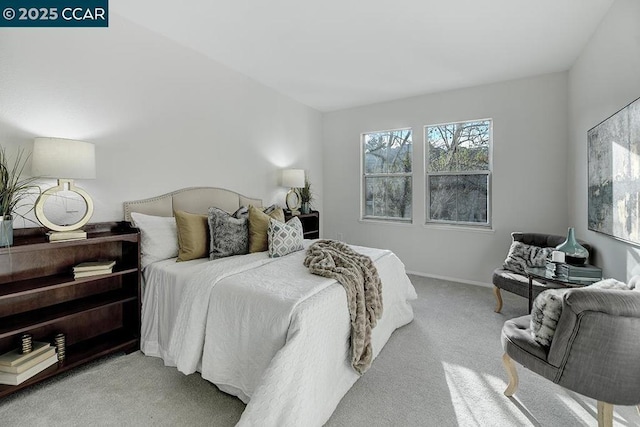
41	284
81	353
39	295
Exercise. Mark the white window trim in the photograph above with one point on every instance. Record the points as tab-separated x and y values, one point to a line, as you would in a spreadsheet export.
427	211
379	219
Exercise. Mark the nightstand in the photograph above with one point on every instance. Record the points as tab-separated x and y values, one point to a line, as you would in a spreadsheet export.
310	223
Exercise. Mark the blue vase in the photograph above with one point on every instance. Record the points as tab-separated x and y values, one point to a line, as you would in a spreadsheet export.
574	252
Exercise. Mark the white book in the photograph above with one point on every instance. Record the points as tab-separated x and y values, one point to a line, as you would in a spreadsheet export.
65	236
28	363
94	265
16	357
80	274
15	379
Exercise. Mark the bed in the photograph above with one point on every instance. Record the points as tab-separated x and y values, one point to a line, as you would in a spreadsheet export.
262	329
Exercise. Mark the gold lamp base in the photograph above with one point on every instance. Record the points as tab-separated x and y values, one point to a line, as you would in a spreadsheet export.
293	201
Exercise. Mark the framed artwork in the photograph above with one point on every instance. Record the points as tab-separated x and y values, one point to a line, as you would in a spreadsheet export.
614	175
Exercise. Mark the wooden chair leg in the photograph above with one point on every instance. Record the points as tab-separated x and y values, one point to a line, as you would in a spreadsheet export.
513	375
496	292
605	414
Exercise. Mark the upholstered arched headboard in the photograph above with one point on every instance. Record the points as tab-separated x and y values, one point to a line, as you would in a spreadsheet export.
196	200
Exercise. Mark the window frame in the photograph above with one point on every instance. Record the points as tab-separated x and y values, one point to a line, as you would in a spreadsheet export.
428	174
364	176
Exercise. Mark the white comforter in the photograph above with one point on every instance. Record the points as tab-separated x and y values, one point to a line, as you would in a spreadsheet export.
266	330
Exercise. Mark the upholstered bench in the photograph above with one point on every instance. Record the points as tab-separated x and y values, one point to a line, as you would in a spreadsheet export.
516	281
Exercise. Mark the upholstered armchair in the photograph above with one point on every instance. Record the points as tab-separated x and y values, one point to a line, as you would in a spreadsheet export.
594	351
518	283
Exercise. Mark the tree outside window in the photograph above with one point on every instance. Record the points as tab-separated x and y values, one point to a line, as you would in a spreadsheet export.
387	174
458	169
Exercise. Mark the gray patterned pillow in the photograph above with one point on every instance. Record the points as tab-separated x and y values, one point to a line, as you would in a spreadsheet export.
229	233
522	255
285	238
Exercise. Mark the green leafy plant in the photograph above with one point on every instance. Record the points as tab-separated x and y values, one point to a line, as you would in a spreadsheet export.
306	195
14	188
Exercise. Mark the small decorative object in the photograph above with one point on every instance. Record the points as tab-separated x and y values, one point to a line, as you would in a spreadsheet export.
306	196
294	179
574	252
59	341
557	256
13	192
26	343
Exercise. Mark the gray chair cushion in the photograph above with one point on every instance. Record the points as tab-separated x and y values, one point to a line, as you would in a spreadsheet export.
516	283
518	343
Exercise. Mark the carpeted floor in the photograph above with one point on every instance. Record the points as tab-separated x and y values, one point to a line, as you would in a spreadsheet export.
443	369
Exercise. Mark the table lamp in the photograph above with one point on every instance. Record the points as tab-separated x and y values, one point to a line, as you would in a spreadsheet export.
294	179
66	160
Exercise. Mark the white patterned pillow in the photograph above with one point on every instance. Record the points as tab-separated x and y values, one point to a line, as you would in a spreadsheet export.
158	237
285	238
522	255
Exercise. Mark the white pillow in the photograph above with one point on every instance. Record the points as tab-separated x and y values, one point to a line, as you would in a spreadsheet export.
159	237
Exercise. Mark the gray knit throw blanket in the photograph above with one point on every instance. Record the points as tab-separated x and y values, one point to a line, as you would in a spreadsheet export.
359	277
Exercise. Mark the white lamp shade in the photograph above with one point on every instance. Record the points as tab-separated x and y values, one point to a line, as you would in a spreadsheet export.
63	158
293	178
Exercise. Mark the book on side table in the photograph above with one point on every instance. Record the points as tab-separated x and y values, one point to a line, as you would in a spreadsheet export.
581	273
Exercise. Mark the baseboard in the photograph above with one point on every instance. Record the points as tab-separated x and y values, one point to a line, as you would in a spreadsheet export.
452	279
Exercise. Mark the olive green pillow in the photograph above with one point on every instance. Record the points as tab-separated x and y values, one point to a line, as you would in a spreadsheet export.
193	235
258	226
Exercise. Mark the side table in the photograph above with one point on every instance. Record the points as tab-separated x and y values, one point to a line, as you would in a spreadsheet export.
540	274
310	223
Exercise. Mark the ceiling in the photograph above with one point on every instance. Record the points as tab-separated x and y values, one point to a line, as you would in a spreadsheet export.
335	54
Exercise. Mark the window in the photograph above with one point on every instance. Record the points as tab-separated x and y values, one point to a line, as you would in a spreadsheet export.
386	175
458	172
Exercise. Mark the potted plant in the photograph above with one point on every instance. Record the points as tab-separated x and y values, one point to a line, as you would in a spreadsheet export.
14	189
306	197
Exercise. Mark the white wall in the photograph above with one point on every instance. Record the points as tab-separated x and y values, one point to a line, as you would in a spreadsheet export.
162	116
605	78
529	175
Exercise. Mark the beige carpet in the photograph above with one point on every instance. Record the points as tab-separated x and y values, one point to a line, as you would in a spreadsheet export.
443	369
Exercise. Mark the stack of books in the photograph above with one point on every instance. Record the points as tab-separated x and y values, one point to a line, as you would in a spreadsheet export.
574	273
93	268
552	267
17	367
